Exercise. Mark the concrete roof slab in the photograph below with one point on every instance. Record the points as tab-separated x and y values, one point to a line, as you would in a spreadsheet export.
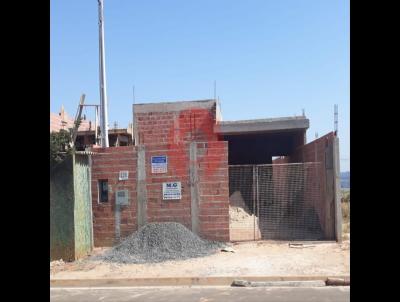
262	125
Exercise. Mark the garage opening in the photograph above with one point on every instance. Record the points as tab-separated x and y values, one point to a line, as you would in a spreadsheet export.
270	197
274	201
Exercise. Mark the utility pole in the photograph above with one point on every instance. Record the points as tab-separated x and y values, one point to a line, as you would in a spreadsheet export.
336	113
77	120
103	90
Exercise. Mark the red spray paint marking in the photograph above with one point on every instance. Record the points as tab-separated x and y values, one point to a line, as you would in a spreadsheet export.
193	125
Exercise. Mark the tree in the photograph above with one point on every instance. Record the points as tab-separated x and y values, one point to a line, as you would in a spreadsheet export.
60	146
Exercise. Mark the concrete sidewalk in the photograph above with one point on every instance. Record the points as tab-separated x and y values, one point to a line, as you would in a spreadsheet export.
251	261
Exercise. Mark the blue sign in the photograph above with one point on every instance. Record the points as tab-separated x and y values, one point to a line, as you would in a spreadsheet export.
159	159
159	164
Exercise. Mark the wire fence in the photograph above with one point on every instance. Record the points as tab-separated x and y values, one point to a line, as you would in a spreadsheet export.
278	201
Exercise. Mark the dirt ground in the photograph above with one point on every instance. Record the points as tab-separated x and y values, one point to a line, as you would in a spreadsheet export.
261	258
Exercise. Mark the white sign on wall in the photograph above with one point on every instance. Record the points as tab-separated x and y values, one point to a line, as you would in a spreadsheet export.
159	164
123	175
172	190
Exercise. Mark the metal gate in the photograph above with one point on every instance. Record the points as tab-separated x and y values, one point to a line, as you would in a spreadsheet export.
275	201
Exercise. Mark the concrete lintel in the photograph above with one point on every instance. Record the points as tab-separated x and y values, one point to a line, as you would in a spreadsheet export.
173	106
262	125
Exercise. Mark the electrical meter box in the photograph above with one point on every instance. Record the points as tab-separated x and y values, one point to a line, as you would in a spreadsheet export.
121	197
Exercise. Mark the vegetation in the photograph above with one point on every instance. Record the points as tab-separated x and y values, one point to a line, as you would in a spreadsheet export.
345	213
345	196
60	146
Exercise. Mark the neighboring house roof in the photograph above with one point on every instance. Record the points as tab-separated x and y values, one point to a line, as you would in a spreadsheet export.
63	121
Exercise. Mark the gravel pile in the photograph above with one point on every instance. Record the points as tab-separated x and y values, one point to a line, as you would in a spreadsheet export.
157	242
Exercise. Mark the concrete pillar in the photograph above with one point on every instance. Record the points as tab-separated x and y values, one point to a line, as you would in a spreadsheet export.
90	164
194	187
117	223
337	190
141	186
329	191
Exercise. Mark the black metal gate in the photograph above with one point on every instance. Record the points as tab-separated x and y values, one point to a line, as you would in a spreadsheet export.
275	201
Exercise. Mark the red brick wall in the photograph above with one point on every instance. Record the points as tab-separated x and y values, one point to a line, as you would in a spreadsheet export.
280	179
212	163
106	164
213	175
313	151
316	177
159	210
166	133
176	127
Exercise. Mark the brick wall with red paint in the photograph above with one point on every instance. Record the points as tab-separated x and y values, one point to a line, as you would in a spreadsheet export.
176	127
166	133
212	162
106	164
214	190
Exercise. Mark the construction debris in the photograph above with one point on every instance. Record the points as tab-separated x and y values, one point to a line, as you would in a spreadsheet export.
338	282
158	242
56	263
228	249
300	245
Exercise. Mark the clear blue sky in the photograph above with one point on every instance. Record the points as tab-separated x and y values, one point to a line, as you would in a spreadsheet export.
270	58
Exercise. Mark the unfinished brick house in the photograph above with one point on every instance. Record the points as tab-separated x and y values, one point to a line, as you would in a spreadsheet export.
87	135
224	180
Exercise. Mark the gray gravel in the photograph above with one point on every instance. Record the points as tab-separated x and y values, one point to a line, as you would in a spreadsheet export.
158	242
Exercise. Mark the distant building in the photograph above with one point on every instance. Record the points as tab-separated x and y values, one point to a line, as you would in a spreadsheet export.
62	120
86	131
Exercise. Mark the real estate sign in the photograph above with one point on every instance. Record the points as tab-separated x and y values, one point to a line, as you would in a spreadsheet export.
172	190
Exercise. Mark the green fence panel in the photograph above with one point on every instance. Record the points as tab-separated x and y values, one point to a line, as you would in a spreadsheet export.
62	243
82	209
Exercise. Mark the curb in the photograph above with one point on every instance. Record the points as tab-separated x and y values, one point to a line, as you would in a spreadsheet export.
314	283
187	281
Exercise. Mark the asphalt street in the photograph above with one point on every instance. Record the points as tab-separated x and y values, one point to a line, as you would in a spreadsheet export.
202	294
